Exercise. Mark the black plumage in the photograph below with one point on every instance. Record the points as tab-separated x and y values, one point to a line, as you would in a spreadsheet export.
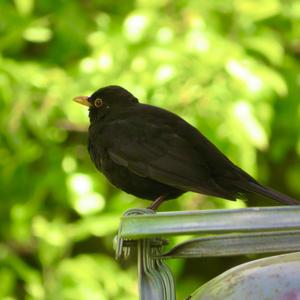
154	154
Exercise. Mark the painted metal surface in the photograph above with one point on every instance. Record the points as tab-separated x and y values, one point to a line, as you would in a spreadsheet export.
155	278
210	221
273	278
237	244
227	232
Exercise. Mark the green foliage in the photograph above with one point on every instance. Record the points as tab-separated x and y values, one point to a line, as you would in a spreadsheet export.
229	67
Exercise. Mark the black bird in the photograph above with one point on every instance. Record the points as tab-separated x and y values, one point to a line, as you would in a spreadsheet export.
154	154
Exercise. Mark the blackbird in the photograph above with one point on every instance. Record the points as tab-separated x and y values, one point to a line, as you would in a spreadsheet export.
154	154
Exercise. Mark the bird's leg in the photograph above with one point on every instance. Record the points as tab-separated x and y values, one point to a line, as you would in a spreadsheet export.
157	202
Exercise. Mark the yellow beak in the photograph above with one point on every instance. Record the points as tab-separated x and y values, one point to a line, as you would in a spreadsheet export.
82	100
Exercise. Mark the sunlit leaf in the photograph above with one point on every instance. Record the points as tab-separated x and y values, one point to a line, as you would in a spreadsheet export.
268	46
250	124
24	7
241	72
37	34
135	26
255	9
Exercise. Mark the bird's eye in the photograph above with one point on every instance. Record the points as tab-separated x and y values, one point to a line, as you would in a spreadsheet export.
98	102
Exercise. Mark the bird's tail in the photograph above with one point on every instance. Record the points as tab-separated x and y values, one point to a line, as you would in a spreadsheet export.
256	188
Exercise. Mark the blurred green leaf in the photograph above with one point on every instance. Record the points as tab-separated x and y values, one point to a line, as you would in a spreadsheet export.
37	34
267	45
257	11
24	7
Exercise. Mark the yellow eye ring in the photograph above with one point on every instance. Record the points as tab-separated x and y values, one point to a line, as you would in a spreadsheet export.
98	102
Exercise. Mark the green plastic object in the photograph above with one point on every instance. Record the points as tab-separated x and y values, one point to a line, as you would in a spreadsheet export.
273	278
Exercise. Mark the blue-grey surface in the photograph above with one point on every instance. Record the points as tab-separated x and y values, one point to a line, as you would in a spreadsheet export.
273	278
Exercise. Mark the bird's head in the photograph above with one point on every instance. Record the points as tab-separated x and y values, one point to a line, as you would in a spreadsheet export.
109	98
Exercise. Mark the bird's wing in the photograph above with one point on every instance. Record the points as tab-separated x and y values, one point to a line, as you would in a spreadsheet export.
156	151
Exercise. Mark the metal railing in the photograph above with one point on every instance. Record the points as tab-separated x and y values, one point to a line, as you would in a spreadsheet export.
218	233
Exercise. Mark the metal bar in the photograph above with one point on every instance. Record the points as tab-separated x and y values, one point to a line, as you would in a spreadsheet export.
237	244
210	221
155	278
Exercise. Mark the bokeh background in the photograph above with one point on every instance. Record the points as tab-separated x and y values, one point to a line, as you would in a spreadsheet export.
229	67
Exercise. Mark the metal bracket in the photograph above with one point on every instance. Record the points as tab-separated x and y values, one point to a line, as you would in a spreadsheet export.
122	246
155	278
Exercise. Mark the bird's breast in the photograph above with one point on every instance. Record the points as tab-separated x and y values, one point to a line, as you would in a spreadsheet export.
96	155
